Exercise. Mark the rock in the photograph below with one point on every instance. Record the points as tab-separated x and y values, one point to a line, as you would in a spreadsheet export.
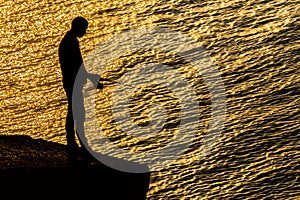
35	168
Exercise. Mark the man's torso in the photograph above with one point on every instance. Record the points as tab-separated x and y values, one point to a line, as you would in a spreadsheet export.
70	59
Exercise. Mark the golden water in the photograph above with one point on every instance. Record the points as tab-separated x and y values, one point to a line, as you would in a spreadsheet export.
254	44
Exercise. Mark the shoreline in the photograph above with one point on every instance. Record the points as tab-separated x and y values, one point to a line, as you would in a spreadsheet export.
35	167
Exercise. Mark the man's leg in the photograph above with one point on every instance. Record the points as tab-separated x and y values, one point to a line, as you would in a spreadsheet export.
72	146
80	119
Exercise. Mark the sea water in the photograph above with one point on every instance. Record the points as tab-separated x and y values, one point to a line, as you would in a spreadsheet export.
254	46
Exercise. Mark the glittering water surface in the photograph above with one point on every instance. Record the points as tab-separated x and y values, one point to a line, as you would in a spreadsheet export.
254	44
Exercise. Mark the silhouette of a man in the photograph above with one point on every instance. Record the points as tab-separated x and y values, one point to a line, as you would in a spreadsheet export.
70	61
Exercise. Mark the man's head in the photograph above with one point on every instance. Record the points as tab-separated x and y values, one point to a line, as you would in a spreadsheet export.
79	26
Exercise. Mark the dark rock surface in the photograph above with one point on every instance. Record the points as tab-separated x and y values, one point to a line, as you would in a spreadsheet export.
39	169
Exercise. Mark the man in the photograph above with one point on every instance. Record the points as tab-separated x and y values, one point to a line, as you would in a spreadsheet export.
70	61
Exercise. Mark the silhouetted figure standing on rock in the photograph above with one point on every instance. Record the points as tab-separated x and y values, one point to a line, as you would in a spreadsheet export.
70	61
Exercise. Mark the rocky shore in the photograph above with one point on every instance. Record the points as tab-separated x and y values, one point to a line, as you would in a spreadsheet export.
35	168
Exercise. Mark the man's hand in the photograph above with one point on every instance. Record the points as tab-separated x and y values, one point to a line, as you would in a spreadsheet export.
94	78
99	85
